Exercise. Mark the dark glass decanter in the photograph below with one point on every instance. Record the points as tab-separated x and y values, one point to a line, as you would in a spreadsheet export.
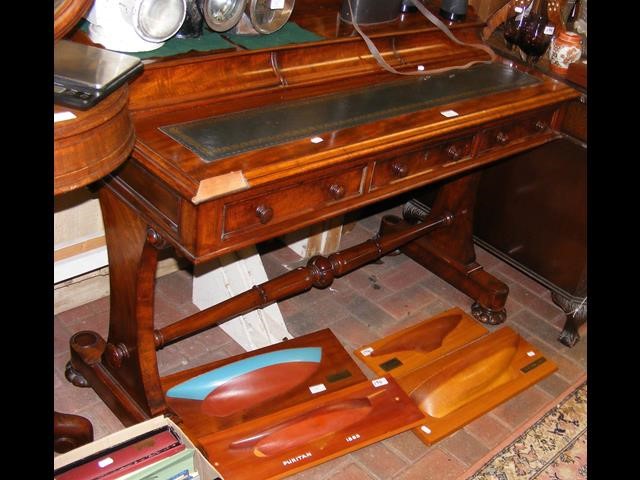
536	32
515	21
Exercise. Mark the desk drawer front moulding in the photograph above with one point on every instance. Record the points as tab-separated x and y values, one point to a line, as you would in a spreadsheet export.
514	132
256	213
425	160
277	206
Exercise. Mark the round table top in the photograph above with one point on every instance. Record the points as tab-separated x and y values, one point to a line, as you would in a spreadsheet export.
92	142
66	14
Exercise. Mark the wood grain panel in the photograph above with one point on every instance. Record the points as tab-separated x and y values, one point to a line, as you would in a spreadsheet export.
417	345
308	434
337	370
469	382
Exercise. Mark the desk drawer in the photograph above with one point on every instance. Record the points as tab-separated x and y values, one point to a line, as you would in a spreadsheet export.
402	167
276	206
515	131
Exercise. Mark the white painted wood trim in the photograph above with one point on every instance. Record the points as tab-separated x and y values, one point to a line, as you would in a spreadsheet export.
230	275
79	264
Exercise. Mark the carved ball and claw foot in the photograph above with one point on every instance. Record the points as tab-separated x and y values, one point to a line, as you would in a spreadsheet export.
488	316
576	316
569	335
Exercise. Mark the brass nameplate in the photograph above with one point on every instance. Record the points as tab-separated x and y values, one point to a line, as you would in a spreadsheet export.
391	364
532	365
334	377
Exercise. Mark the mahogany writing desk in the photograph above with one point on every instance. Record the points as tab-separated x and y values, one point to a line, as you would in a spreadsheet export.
228	154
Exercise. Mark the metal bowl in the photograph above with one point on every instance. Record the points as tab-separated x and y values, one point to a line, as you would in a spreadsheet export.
222	15
267	16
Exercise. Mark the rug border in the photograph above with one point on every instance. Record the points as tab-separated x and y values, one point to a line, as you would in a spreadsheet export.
520	429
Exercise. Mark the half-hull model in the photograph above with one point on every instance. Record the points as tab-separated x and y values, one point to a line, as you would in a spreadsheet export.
419	344
469	382
306	427
313	432
248	382
227	392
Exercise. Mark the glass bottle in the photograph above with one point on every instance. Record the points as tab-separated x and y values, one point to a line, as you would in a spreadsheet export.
573	15
193	21
537	32
514	22
454	10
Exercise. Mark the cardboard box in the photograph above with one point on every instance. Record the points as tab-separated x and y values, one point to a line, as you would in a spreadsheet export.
206	470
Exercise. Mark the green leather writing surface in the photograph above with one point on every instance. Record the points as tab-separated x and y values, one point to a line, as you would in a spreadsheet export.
218	137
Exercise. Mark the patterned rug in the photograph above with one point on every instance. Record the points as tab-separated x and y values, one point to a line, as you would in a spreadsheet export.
553	446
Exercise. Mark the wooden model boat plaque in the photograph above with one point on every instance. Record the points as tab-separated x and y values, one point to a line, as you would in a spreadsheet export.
307	434
465	383
224	393
415	346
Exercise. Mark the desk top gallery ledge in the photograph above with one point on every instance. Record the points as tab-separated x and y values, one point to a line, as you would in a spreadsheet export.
197	86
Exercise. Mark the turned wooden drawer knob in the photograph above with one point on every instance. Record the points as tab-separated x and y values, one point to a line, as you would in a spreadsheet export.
454	152
399	169
502	138
540	125
337	191
264	213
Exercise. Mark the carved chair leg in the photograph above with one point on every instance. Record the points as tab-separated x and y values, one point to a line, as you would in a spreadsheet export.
70	431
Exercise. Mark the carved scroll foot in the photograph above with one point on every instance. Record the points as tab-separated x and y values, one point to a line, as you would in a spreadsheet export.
70	431
488	316
87	351
74	376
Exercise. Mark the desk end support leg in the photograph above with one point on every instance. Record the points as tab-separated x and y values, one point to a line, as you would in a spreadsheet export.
123	369
449	252
86	369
